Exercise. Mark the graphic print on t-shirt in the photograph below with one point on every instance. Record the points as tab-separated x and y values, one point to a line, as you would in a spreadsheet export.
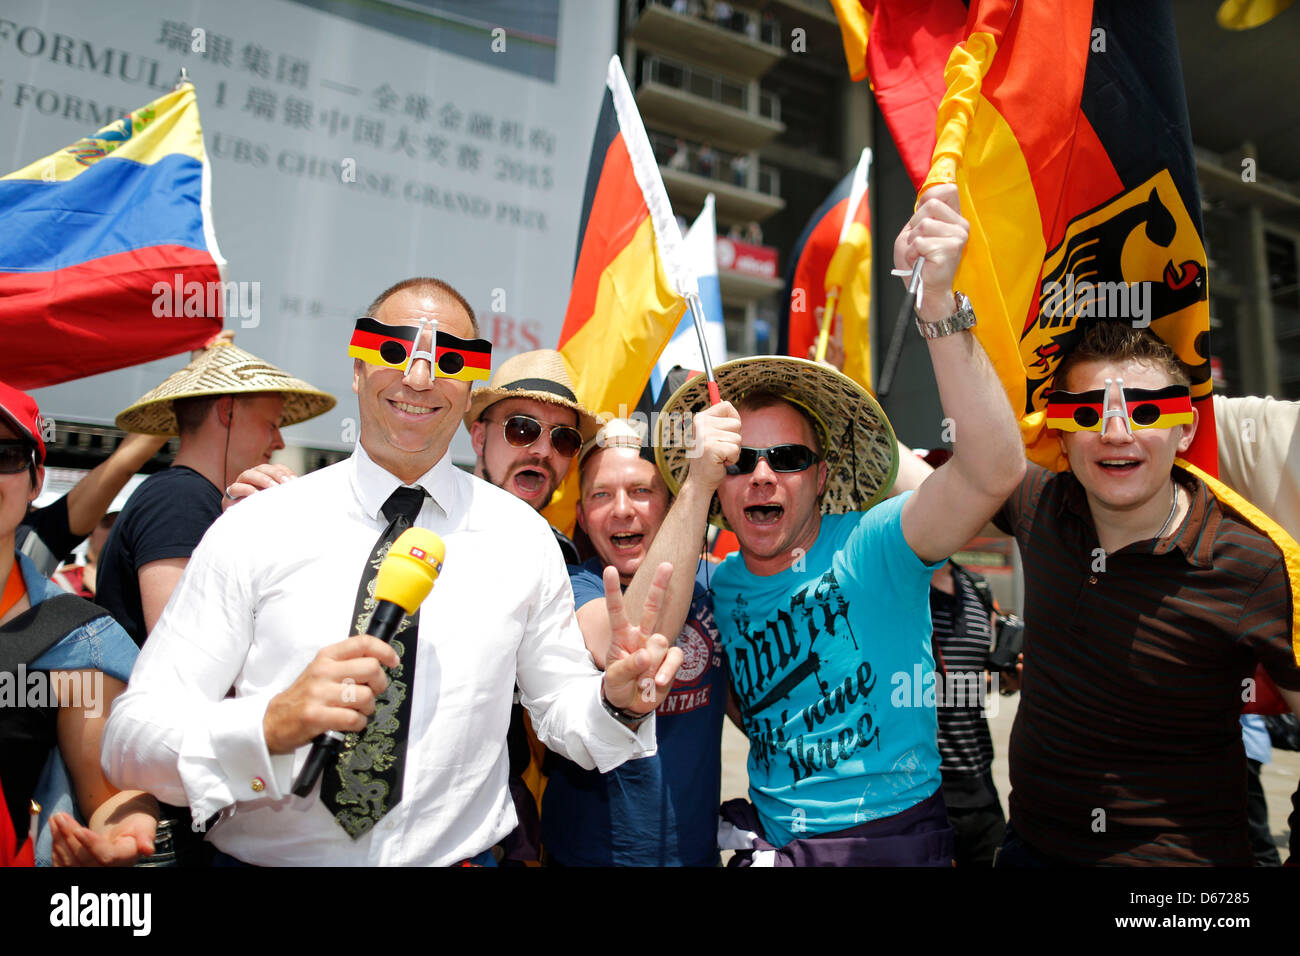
785	659
701	656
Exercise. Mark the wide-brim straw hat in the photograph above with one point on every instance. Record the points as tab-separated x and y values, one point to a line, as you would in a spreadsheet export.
541	375
223	369
857	441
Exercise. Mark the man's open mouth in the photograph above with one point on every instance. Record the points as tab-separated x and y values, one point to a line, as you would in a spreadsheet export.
530	480
764	514
626	540
1118	464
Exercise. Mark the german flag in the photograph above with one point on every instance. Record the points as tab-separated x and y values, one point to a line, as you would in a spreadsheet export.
1147	408
1082	200
465	360
830	253
902	47
629	277
388	346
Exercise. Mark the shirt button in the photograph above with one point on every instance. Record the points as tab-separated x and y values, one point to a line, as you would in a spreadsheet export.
1092	579
258	784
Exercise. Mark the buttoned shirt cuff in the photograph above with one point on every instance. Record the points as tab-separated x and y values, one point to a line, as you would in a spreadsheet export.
613	742
225	760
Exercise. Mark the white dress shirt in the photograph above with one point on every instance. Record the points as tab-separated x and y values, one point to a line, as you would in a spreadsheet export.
273	581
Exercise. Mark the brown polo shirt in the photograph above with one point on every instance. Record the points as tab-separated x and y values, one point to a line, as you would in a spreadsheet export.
1127	746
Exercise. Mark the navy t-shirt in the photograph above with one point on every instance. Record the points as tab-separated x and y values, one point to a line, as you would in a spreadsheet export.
165	517
660	810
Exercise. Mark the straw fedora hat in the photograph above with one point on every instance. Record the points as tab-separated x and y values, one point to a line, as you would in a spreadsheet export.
856	438
223	369
541	375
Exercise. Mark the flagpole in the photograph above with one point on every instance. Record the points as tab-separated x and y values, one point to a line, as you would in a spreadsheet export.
828	317
697	317
900	326
857	196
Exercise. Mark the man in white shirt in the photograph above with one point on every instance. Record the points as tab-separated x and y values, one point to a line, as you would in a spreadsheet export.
270	590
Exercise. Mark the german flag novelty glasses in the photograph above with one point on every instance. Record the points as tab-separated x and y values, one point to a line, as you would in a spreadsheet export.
397	346
1138	408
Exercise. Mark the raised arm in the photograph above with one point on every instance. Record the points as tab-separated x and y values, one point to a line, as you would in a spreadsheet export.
89	499
988	461
681	537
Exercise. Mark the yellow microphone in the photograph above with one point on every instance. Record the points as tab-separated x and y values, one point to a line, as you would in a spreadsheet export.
405	578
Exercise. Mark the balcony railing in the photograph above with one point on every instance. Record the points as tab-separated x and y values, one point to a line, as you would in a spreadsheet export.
761	28
704	160
657	69
706	85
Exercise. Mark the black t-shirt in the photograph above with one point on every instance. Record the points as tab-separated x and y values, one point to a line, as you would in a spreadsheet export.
164	518
47	526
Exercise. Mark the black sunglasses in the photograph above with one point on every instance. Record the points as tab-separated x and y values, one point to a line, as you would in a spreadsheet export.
781	458
522	431
15	456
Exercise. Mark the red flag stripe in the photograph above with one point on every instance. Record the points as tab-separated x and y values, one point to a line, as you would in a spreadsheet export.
616	212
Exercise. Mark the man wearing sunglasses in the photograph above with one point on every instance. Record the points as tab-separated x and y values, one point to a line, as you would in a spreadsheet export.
824	612
273	590
527	426
1151	596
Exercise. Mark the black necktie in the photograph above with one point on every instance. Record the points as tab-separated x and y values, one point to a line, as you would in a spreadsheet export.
366	781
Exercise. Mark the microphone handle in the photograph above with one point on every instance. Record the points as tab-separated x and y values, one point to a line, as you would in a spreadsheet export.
384	622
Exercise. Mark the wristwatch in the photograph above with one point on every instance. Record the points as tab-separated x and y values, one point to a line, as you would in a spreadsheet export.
624	717
959	321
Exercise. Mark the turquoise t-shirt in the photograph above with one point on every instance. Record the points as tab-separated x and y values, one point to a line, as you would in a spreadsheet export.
830	662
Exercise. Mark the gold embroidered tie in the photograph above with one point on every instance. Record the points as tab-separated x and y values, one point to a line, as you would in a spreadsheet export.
366	780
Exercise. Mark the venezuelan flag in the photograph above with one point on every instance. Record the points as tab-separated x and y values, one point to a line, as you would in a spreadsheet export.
630	275
106	245
834	251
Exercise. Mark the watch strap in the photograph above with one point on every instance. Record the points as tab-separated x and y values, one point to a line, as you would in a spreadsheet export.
624	717
959	321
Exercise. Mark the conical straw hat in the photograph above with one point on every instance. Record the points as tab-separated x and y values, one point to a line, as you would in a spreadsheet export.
223	369
857	440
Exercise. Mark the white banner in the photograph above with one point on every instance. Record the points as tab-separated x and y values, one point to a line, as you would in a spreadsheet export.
353	143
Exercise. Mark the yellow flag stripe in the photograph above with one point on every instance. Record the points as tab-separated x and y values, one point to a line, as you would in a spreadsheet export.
167	126
1266	526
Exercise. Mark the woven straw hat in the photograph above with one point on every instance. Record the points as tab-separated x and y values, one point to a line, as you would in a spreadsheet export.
857	440
223	369
542	375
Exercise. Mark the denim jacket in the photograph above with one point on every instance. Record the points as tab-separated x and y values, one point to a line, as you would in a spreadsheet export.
100	644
